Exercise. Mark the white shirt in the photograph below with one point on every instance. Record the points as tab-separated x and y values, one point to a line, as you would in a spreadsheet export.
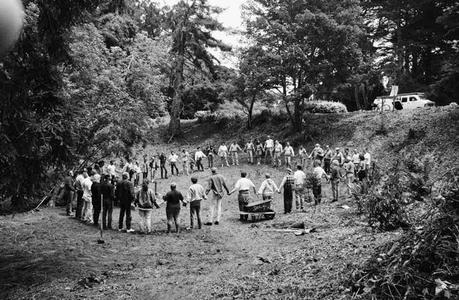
234	147
111	170
199	154
185	156
278	148
87	183
356	158
244	184
173	158
367	158
79	181
289	151
300	177
268	187
269	143
319	172
222	150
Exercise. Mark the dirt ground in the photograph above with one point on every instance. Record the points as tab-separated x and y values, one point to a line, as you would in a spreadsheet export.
47	255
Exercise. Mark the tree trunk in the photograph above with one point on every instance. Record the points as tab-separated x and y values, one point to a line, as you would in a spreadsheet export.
250	110
176	108
356	97
297	115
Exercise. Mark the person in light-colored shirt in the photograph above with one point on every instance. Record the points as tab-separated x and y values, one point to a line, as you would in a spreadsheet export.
173	158
234	149
87	198
223	154
269	149
198	156
250	148
367	157
216	187
277	154
243	185
185	161
300	179
318	173
267	188
111	169
196	193
288	154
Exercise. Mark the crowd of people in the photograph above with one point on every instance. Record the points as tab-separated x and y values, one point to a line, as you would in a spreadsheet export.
96	190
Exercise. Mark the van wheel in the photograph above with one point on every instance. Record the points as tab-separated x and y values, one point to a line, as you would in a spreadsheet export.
398	106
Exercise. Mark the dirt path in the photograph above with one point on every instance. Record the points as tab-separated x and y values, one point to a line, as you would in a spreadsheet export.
47	255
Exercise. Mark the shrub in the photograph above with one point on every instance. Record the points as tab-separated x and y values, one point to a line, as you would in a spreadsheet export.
424	263
325	107
222	119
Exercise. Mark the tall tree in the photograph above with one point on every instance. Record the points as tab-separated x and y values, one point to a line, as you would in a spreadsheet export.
253	79
314	45
192	24
413	40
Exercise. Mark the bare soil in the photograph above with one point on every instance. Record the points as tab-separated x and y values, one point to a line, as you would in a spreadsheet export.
47	255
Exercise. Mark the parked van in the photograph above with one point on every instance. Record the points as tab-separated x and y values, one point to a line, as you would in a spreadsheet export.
402	101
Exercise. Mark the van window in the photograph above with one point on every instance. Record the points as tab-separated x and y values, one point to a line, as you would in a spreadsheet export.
404	99
413	99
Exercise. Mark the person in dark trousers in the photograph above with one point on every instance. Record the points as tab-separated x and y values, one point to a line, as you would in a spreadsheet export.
108	193
288	184
68	192
196	193
95	195
162	164
125	196
173	199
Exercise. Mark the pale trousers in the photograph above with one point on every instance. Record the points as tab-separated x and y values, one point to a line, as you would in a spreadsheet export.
215	207
224	160
145	220
235	158
87	210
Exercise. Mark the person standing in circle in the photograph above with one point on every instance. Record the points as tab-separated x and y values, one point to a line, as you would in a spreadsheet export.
288	183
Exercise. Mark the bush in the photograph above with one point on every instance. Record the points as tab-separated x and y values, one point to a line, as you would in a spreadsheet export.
424	263
222	119
325	107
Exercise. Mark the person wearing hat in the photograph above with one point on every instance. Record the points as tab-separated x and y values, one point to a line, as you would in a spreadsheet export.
125	196
267	188
243	186
216	186
288	183
335	176
173	199
196	193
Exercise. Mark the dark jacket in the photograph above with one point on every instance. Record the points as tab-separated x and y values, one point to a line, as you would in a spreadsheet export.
173	199
95	191
125	191
108	192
